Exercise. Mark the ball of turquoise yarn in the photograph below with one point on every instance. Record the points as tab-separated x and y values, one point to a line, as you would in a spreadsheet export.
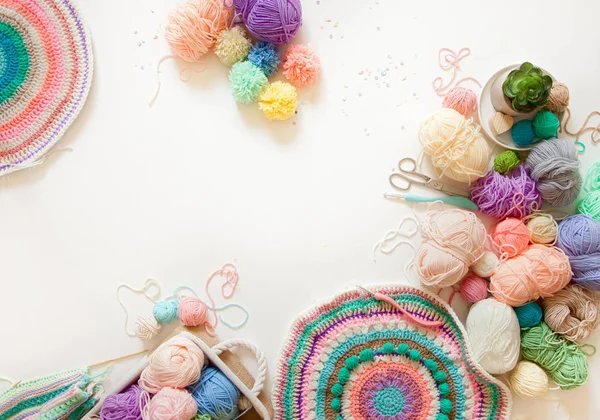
529	315
165	311
523	133
215	395
545	125
247	82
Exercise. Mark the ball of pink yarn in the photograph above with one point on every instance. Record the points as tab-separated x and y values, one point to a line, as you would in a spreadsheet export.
171	404
473	289
539	272
192	311
194	27
510	237
462	100
301	65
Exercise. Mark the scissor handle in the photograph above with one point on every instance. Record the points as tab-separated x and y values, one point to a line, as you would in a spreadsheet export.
407	165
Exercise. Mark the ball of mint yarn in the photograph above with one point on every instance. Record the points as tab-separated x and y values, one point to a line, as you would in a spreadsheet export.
523	133
506	161
165	311
265	56
529	315
545	125
247	82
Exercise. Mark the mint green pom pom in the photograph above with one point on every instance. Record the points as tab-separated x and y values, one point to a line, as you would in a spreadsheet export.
444	388
336	404
343	375
388	348
403	348
352	362
446	405
366	355
414	355
337	390
247	82
441	417
440	376
430	364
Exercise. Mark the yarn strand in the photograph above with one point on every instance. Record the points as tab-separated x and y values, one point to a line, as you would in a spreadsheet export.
449	60
584	127
145	291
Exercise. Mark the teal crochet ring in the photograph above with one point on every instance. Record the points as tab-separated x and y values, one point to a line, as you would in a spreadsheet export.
359	358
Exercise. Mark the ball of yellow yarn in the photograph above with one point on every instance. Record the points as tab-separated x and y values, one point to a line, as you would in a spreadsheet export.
456	146
278	101
559	97
528	380
542	229
232	46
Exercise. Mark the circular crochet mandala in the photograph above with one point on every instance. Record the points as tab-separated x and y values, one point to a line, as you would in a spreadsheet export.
45	75
358	358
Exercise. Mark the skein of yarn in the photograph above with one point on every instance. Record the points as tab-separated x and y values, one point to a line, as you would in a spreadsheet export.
579	238
275	21
193	311
146	327
486	265
127	405
194	27
543	229
506	161
522	133
554	165
572	312
473	289
528	380
565	362
510	237
462	100
455	144
545	125
176	363
216	395
540	271
171	404
165	311
511	195
558	100
452	241
494	334
590	204
529	315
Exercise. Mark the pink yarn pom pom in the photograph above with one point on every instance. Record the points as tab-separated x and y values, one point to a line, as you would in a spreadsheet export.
171	404
473	289
192	311
301	65
462	100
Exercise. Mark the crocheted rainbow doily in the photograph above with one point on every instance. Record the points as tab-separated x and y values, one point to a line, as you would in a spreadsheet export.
359	358
45	75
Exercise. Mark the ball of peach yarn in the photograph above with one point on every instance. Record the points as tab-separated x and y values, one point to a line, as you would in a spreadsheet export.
192	311
194	27
171	404
510	237
540	271
452	241
461	100
176	363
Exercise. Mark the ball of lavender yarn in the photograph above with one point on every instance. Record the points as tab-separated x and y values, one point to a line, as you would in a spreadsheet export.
510	195
275	21
554	166
125	406
579	237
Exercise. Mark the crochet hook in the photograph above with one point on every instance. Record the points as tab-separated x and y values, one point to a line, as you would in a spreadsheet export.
384	298
455	200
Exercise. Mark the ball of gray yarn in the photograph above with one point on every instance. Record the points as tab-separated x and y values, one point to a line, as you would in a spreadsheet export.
554	166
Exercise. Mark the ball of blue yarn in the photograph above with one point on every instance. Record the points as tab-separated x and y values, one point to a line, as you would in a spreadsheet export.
215	395
529	315
265	56
165	311
523	133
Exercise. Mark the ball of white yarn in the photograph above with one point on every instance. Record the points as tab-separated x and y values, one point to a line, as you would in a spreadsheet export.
486	264
493	330
528	380
146	327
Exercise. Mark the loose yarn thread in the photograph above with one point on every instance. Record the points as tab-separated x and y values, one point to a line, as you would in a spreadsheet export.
511	195
449	60
494	334
554	165
572	312
595	136
528	380
564	361
215	395
146	327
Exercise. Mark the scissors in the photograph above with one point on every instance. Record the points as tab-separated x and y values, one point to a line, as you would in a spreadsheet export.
408	172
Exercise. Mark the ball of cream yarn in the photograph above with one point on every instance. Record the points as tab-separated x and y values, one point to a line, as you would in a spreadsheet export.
452	241
528	380
486	264
543	229
456	146
495	336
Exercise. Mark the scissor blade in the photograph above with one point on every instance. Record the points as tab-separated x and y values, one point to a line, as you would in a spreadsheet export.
448	189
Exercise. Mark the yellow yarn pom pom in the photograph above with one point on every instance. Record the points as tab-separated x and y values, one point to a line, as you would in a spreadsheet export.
232	46
278	101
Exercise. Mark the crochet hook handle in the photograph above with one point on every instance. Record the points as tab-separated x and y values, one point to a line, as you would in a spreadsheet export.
454	200
385	298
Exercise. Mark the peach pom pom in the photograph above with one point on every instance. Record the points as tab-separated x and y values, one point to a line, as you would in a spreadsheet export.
462	100
301	65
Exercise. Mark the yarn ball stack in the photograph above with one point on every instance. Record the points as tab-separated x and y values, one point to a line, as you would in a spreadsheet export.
579	238
494	334
269	20
247	82
301	66
278	100
545	125
558	100
452	241
171	404
506	161
511	195
455	144
529	315
232	46
266	57
510	237
572	312
523	133
462	100
473	289
127	405
543	229
554	166
215	395
528	380
590	204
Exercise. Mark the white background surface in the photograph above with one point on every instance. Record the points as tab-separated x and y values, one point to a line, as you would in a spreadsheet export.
176	190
